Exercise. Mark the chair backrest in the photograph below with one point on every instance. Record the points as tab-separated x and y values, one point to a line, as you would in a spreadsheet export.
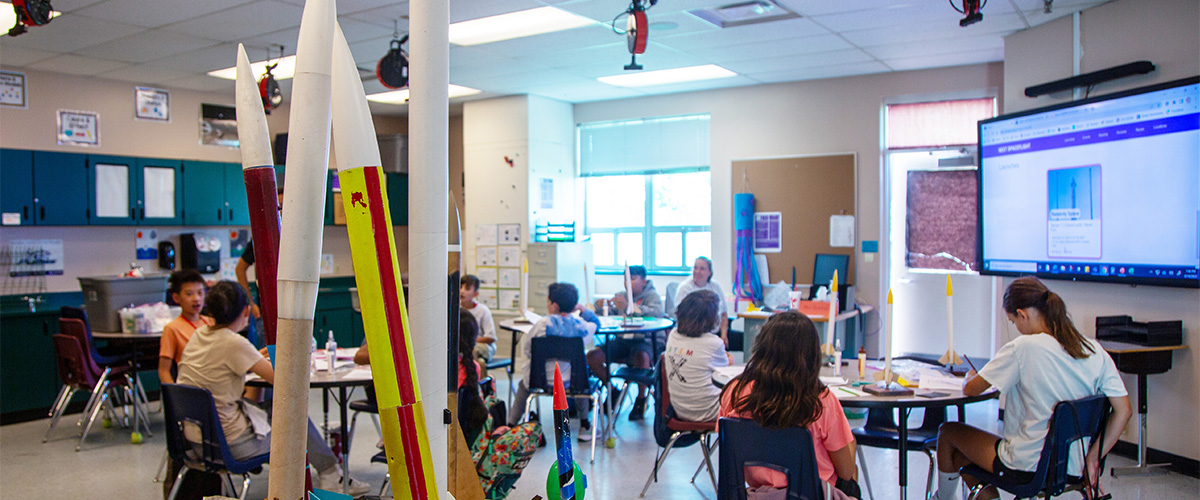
72	362
77	329
1070	422
790	450
90	344
563	350
194	433
669	304
885	418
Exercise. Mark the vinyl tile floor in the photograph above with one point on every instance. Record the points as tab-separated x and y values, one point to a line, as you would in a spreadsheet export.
109	467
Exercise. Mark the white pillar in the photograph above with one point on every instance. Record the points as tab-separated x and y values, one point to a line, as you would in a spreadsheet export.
428	188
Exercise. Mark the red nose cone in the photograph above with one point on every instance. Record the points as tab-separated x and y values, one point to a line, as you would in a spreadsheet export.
560	394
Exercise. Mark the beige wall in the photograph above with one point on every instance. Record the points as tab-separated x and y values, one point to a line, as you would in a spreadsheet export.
839	115
95	250
1163	32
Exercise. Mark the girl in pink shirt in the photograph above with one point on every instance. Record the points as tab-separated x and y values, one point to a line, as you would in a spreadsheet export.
780	388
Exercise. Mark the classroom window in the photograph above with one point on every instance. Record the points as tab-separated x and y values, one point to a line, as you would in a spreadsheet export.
648	192
932	171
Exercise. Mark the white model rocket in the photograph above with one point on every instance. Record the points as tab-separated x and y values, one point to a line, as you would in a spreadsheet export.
951	357
831	322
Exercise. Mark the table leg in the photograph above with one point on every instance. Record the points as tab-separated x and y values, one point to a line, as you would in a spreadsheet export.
902	427
1143	467
343	401
325	411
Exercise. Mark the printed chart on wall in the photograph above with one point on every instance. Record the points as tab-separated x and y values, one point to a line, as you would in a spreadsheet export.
498	265
12	89
78	128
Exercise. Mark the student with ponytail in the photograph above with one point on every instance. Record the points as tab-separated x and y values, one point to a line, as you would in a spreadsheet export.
1048	363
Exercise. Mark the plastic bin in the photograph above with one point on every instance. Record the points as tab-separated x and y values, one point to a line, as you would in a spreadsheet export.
103	296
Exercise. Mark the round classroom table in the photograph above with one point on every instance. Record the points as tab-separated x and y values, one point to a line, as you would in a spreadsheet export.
905	405
344	379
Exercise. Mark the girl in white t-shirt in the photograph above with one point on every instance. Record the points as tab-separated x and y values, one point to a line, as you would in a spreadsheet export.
1050	362
692	354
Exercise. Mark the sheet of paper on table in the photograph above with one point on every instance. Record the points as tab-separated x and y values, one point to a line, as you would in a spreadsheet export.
722	375
937	379
322	364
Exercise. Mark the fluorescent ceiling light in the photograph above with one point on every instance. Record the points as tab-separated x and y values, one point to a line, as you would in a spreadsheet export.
285	70
401	96
8	18
515	25
665	76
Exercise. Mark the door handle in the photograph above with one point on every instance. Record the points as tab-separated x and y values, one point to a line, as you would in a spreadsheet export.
25	212
231	215
143	213
42	212
218	214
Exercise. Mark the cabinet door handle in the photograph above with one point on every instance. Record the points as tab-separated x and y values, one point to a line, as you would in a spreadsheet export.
218	214
25	212
231	215
42	212
143	213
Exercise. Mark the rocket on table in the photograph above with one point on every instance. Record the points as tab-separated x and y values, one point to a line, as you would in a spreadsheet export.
951	357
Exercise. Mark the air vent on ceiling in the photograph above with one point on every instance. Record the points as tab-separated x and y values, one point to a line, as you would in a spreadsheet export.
744	13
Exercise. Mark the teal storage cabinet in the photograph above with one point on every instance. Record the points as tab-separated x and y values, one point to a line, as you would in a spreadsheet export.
329	176
111	190
159	184
29	372
236	208
60	188
397	191
16	190
204	193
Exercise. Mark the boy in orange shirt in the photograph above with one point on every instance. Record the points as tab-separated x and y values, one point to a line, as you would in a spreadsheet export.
187	289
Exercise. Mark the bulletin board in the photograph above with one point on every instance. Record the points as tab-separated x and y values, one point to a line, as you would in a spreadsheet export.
806	191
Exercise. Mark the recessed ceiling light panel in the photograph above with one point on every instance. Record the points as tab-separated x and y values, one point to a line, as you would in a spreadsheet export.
667	76
401	96
515	25
285	70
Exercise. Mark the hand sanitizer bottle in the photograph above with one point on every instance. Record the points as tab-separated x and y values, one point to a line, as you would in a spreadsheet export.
331	350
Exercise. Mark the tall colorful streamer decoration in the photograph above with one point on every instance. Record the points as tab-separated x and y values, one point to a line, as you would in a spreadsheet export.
377	273
746	283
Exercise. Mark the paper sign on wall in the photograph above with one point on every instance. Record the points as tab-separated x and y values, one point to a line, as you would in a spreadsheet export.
151	104
768	232
12	89
510	234
78	128
841	231
147	244
35	258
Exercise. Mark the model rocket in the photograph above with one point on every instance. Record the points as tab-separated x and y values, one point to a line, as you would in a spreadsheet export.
261	190
300	246
951	357
628	292
886	377
831	322
377	275
562	439
524	287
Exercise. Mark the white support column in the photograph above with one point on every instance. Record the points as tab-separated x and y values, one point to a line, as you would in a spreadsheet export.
428	190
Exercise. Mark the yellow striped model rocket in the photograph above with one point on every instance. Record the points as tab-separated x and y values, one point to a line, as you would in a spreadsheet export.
377	274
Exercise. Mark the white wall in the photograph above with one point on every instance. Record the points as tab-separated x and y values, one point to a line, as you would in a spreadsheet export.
1165	33
798	118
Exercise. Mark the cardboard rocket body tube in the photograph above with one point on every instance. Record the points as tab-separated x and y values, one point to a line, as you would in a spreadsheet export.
300	246
377	275
261	198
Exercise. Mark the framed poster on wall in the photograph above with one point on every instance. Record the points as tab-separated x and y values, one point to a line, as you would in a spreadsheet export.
152	104
78	128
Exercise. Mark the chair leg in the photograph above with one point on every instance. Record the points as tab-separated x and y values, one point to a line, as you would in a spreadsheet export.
712	446
92	418
708	460
178	481
595	399
529	406
162	467
658	463
245	486
96	391
862	460
61	393
375	420
60	406
929	480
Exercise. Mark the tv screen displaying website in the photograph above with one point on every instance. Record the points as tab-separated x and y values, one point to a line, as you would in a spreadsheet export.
1103	189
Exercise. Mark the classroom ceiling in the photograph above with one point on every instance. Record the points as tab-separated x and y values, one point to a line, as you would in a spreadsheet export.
174	43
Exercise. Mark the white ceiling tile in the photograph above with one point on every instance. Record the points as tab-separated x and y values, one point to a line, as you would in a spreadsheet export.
815	73
998	25
735	81
462	56
603	54
72	5
465	10
20	56
357	31
775	48
803	61
154	13
144	74
791	28
76	65
242	22
912	15
202	61
606	10
371	51
585	36
1037	15
388	15
585	93
146	46
498	66
933	47
354	6
70	32
942	60
813	8
206	84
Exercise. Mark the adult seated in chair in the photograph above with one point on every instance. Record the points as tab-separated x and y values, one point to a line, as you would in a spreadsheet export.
1049	362
702	280
217	358
781	388
632	349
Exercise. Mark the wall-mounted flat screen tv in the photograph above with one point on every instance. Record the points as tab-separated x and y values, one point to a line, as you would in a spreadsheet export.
1102	189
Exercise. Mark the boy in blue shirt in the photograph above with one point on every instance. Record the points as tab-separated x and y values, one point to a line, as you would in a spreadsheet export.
562	301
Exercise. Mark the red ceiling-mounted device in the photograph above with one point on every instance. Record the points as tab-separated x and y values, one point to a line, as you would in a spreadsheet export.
30	13
268	88
972	9
637	30
392	69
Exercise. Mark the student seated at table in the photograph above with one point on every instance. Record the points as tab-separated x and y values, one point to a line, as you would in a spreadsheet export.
1048	363
218	359
562	300
187	289
485	344
633	349
702	280
692	353
780	388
